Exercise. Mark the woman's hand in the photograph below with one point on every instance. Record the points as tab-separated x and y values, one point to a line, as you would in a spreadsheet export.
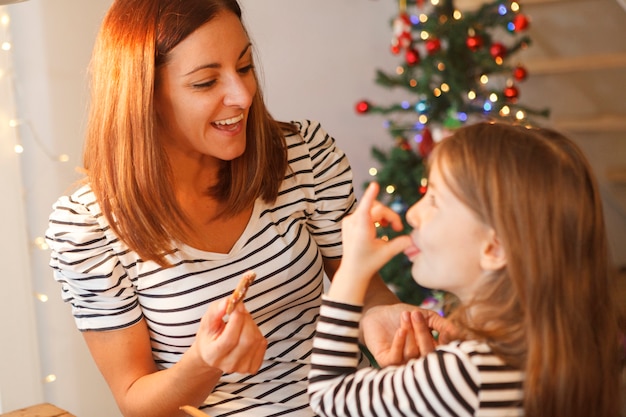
235	346
363	252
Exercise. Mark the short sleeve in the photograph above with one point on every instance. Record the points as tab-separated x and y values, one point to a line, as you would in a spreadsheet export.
85	263
333	189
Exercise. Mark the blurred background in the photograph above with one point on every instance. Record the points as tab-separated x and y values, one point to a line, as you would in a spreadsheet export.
318	60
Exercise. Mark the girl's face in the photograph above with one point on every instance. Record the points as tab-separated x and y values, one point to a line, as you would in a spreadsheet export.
205	90
448	240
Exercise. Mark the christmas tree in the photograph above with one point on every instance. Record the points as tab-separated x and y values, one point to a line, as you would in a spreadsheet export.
456	69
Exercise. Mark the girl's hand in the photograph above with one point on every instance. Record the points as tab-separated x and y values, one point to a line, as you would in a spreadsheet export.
363	252
235	346
413	339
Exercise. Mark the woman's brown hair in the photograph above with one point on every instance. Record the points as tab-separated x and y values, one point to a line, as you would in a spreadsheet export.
551	310
126	166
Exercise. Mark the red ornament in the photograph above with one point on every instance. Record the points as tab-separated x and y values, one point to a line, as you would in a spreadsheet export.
419	3
401	33
427	143
362	107
520	73
497	50
412	56
520	22
433	45
511	93
474	42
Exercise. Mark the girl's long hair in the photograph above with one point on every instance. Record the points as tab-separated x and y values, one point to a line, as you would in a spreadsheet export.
126	166
551	310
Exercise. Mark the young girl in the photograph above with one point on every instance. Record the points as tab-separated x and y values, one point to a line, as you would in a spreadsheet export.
511	224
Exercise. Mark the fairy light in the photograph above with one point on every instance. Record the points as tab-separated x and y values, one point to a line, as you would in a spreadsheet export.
40	243
373	172
484	79
41	297
390	189
505	111
457	15
423	18
424	35
493	97
471	95
423	119
520	115
413	83
399	70
50	378
445	87
515	7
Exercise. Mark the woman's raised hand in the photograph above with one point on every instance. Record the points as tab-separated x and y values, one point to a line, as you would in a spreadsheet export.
235	346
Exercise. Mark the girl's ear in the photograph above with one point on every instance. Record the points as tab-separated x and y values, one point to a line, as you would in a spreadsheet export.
492	255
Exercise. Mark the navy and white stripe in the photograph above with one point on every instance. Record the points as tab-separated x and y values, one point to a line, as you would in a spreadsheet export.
458	379
109	287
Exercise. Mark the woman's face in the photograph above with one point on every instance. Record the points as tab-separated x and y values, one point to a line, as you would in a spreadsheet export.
448	240
204	92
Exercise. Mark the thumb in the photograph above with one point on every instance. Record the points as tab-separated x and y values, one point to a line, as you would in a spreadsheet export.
398	244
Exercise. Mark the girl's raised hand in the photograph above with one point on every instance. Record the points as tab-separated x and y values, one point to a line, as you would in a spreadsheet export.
364	253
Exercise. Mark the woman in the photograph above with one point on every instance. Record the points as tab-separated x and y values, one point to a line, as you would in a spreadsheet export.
512	225
189	184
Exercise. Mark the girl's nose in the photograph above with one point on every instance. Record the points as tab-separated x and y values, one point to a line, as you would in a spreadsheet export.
412	215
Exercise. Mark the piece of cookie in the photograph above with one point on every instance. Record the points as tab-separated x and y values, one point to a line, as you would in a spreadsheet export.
193	411
240	292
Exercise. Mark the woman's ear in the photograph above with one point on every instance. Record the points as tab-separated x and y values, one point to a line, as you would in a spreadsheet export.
492	254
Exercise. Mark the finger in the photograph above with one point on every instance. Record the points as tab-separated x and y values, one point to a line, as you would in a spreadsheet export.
398	244
386	216
446	329
423	335
411	348
368	198
396	350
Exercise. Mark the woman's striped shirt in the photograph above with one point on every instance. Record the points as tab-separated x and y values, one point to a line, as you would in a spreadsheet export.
458	379
110	287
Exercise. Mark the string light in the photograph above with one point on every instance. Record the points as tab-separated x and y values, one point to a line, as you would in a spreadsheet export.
50	378
41	297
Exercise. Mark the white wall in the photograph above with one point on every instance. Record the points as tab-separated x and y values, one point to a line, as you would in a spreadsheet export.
18	348
52	41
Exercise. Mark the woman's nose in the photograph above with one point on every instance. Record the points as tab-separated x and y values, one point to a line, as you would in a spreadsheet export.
239	92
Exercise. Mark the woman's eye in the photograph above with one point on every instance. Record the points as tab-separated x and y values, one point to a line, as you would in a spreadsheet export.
204	84
246	69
